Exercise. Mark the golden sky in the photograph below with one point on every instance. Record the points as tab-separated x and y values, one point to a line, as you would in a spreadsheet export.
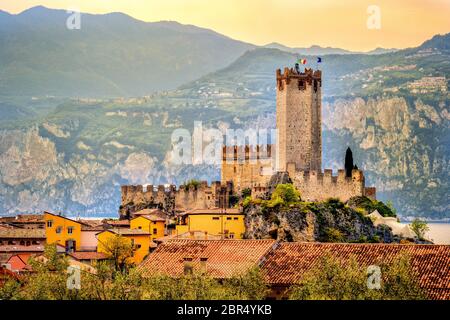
300	23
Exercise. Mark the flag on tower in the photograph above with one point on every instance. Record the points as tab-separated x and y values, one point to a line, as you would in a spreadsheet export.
302	61
319	59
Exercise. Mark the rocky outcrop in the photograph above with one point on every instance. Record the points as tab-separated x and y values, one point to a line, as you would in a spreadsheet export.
325	221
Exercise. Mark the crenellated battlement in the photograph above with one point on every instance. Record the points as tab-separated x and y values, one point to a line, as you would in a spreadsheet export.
173	199
318	186
247	152
308	77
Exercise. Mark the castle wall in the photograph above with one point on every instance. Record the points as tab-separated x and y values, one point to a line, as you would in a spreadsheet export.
246	167
171	200
317	186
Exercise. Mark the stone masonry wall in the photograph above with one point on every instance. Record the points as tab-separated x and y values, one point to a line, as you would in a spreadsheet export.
299	119
171	200
318	186
245	167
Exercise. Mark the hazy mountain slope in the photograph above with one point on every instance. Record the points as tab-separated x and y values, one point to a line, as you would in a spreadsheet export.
320	51
111	55
72	155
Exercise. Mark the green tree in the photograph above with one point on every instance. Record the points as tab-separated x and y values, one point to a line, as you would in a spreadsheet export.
49	278
334	279
200	286
419	227
119	250
287	192
390	205
248	286
247	192
10	290
334	235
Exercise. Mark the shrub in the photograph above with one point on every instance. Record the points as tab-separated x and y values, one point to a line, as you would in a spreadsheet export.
287	193
333	235
247	201
419	227
372	205
246	193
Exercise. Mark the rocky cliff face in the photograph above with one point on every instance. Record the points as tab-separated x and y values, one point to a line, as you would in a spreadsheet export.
325	222
402	146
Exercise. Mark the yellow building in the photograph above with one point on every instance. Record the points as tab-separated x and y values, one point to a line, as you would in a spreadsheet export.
139	239
150	223
63	231
227	223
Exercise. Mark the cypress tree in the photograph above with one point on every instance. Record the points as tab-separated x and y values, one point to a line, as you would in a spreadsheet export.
348	162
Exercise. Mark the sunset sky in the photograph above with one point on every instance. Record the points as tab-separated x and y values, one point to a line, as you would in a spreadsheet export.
300	23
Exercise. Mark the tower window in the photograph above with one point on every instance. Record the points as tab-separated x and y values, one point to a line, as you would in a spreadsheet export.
301	85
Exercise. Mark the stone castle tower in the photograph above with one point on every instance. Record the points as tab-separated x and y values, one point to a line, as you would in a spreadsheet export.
299	121
299	147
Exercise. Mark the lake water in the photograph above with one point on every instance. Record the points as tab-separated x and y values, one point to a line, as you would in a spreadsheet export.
439	232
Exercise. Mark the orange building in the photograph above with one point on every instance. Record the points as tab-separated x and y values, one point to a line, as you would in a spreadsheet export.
139	239
62	230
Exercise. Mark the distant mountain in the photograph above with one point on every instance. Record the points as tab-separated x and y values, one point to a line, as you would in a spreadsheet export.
111	55
381	51
441	42
320	51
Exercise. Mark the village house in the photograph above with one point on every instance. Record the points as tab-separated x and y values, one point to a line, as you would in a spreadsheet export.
63	231
220	259
24	221
89	258
284	264
139	239
227	223
152	224
22	237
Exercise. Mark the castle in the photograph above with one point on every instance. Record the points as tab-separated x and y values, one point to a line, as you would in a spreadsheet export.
298	152
299	146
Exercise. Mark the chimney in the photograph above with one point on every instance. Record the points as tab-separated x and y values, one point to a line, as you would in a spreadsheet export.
203	262
188	268
206	235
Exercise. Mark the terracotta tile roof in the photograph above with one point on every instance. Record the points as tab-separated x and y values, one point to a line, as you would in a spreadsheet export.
24	218
193	235
213	211
64	217
156	212
225	258
125	223
16	233
152	217
92	227
19	262
18	248
431	263
33	248
91	255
